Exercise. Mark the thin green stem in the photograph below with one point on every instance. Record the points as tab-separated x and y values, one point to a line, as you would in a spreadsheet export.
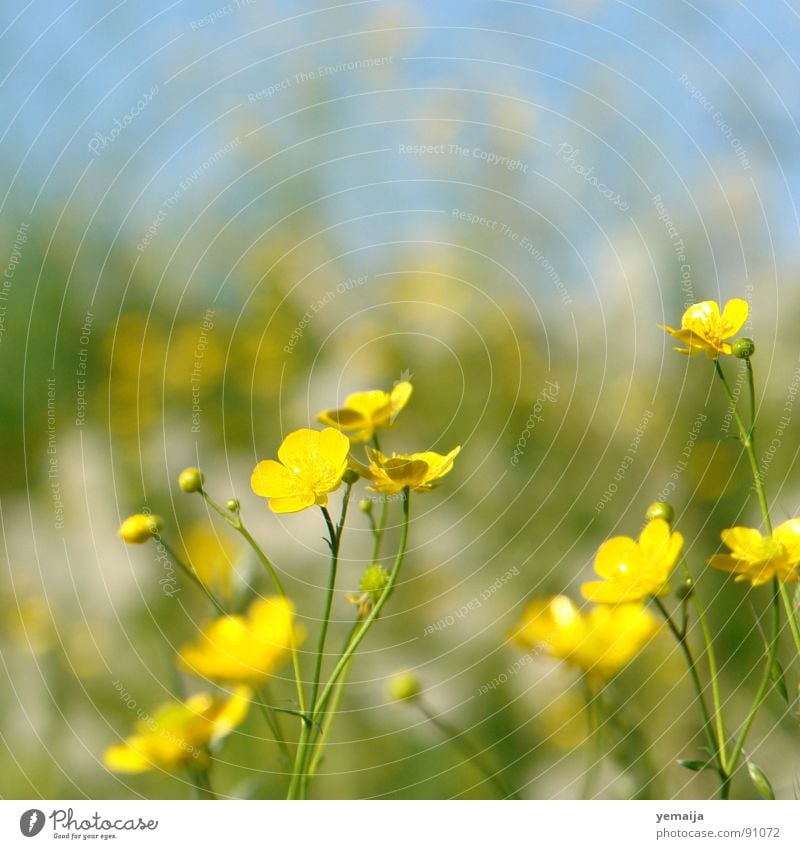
330	714
366	624
299	785
234	519
686	649
192	575
474	755
713	675
766	678
201	782
262	697
747	438
791	615
593	750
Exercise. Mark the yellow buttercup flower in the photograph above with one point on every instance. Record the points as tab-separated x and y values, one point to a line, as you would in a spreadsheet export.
758	558
178	733
420	472
311	465
599	643
633	570
364	412
704	329
244	649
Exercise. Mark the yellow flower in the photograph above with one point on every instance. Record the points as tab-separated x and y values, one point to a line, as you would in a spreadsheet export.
178	733
635	570
704	329
421	472
244	649
364	412
311	465
139	528
599	643
759	559
211	556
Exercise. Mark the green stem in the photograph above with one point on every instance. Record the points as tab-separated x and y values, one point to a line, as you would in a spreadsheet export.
330	714
366	624
460	741
691	664
300	776
713	675
235	521
201	782
593	750
791	615
273	722
747	438
192	575
766	678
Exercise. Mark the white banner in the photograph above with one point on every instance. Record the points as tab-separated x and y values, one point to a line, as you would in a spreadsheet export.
401	825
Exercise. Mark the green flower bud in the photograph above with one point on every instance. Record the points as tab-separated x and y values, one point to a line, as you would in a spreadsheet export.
404	687
139	528
365	505
191	480
660	510
350	476
743	348
684	590
373	582
233	505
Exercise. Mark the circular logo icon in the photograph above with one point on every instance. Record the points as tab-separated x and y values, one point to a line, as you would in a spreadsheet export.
31	822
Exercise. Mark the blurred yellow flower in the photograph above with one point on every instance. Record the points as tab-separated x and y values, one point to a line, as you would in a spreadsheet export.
704	329
635	570
139	528
211	556
759	559
364	412
311	465
244	649
421	472
178	733
599	643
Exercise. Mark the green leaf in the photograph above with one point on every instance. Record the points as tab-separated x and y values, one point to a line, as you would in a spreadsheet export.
779	680
760	781
696	766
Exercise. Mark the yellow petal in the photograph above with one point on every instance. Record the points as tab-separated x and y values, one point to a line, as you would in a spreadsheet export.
272	480
733	317
126	758
344	418
618	554
788	535
743	542
701	318
299	449
400	396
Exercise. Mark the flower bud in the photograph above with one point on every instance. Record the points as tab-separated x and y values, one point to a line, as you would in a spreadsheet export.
233	505
743	348
374	582
191	480
365	505
684	591
660	510
139	528
404	687
350	476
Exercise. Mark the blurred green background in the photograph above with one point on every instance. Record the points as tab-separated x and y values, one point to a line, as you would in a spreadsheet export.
219	220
